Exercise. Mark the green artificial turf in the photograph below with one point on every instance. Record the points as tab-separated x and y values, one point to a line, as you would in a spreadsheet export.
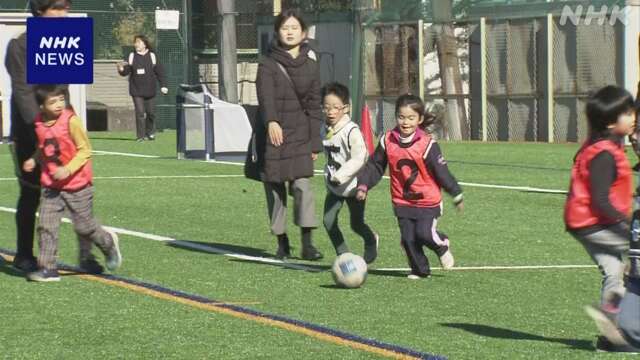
479	314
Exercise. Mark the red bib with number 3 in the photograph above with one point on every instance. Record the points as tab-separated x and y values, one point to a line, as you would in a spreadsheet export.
411	183
57	149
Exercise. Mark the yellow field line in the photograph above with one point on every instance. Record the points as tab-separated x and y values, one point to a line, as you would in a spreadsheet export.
217	308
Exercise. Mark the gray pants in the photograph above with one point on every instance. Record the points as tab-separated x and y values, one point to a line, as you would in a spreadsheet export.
80	206
145	110
304	204
629	316
332	205
606	248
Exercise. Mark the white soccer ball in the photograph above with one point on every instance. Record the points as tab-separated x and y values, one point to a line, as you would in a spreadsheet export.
349	270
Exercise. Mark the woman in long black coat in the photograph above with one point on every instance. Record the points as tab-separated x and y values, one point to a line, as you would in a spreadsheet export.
288	86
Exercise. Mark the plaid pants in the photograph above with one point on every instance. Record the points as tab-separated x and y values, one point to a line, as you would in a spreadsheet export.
80	207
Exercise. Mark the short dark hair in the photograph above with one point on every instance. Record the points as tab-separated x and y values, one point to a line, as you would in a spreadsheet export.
605	106
44	91
145	40
337	89
285	15
37	7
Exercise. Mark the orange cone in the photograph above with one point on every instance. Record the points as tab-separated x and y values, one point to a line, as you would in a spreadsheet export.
367	131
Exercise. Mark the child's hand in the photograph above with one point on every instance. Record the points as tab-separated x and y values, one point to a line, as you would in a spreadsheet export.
460	207
29	165
361	195
61	173
314	156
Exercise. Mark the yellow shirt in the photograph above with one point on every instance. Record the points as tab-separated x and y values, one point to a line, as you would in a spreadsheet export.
79	137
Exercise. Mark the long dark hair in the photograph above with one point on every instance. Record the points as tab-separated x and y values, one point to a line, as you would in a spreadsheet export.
605	106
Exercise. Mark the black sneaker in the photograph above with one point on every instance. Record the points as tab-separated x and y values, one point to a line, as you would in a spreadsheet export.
311	253
91	266
44	275
371	251
150	137
284	248
25	265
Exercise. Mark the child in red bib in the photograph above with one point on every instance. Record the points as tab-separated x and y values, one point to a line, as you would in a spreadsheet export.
417	171
598	208
64	154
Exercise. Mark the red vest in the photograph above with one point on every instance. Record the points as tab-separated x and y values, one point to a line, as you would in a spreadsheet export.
411	183
57	149
578	212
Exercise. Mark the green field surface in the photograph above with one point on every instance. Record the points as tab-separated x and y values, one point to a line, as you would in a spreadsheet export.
466	314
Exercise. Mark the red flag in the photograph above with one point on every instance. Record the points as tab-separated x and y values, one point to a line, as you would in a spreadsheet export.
367	131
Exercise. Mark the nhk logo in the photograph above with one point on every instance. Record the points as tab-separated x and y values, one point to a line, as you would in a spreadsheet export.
53	58
605	14
59	50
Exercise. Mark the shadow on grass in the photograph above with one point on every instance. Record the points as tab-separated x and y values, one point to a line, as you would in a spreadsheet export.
501	333
6	267
219	247
111	138
266	258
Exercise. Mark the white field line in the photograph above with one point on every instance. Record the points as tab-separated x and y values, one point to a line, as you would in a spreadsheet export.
296	266
196	246
100	152
490	186
154	177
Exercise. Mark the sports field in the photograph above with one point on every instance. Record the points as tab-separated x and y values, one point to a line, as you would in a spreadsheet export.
199	281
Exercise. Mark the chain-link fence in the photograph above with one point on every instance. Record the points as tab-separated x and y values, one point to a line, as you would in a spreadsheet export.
586	57
487	80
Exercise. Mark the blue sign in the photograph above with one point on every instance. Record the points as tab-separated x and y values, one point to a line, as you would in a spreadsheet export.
59	50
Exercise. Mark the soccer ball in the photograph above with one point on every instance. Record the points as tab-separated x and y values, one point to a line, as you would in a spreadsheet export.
349	270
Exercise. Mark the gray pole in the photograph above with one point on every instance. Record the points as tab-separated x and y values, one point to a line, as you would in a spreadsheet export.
227	48
456	128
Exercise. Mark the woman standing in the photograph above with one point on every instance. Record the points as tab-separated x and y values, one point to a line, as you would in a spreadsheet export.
144	70
288	86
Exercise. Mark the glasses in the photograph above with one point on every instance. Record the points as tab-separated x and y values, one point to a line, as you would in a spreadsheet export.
328	109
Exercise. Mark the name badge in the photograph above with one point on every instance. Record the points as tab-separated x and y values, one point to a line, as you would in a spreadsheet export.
140	71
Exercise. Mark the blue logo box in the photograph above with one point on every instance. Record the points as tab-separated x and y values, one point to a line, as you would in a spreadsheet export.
59	50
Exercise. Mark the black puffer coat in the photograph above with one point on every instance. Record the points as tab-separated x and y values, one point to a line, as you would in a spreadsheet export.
298	112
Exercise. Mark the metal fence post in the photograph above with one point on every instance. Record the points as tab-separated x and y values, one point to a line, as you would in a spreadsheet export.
483	76
421	58
550	96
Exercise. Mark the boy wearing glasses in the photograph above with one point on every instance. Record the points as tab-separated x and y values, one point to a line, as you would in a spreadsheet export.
346	154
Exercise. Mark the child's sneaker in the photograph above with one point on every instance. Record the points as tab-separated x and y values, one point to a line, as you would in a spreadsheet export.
413	276
90	266
607	326
114	258
44	275
446	260
371	251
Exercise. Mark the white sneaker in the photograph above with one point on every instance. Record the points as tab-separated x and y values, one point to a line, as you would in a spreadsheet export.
606	326
446	260
114	258
413	277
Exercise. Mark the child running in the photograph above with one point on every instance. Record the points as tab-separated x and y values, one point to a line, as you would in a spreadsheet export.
346	154
64	153
598	208
417	170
